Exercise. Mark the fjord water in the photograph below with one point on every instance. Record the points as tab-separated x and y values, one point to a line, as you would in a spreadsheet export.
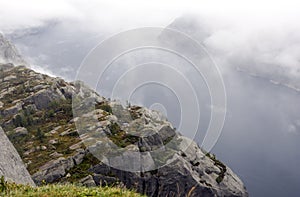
260	139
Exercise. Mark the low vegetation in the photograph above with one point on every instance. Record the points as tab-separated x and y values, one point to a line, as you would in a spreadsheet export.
104	106
57	190
39	124
120	137
80	171
220	165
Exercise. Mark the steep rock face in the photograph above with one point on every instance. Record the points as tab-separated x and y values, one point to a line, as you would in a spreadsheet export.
11	165
9	53
59	146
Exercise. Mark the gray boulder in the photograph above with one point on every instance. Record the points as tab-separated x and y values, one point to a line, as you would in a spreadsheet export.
103	180
44	97
166	133
53	170
13	110
11	165
187	173
21	131
88	181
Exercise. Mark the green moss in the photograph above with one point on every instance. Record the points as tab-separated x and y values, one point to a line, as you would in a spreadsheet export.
219	179
120	137
220	165
104	106
3	184
62	107
114	128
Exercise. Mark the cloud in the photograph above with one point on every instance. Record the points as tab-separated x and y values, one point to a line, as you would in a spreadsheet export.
263	33
292	129
43	70
93	15
132	13
20	14
266	48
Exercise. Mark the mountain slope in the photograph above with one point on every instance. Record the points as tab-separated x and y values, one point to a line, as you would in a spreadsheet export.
36	113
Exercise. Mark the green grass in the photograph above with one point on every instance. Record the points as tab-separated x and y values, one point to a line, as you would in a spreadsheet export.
68	190
39	123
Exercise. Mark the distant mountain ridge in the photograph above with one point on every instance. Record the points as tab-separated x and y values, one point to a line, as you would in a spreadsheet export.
9	53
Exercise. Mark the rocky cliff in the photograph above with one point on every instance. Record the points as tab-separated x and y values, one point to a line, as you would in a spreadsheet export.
11	165
36	114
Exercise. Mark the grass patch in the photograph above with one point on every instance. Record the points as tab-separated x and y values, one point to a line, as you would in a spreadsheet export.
38	124
68	190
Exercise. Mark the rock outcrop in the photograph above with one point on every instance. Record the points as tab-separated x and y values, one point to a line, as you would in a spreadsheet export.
60	146
11	165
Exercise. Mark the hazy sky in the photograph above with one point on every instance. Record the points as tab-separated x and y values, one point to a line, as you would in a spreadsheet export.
132	13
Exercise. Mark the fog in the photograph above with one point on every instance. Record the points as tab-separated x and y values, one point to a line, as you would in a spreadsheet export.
255	45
